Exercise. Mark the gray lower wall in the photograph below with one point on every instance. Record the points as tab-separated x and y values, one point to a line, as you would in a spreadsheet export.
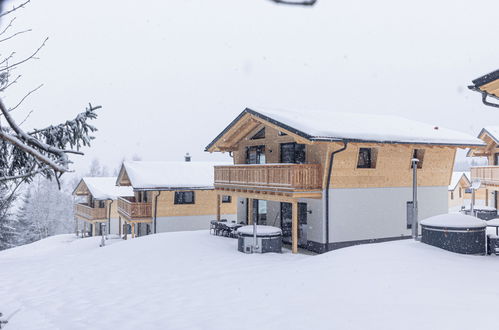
115	226
187	223
372	213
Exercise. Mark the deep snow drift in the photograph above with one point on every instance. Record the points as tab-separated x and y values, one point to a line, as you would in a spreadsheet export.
192	280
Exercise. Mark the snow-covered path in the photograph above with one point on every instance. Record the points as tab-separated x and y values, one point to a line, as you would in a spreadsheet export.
193	280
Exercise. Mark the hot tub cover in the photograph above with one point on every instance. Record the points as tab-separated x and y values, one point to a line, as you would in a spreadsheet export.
454	220
260	230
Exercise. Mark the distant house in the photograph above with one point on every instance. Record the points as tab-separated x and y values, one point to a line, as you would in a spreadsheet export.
171	196
459	190
488	175
488	86
96	203
330	179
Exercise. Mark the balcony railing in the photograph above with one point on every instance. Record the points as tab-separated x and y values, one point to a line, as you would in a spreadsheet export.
270	176
488	175
134	210
91	213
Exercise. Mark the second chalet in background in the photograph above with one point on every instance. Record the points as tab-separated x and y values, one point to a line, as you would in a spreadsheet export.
330	179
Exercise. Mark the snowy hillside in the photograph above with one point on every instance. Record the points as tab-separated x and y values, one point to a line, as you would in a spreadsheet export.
193	280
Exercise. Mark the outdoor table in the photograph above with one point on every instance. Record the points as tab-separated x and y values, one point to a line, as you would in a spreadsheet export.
494	223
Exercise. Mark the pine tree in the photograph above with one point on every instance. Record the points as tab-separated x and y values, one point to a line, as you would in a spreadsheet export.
25	228
8	234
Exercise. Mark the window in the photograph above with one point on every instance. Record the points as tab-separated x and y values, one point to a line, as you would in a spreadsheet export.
226	199
467	191
259	135
419	155
293	153
255	155
367	158
184	197
460	192
451	195
102	204
142	197
282	134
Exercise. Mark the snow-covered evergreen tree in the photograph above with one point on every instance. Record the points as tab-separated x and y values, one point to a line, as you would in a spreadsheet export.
8	233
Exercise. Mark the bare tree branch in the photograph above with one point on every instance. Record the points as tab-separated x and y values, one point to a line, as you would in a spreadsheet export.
8	26
25	97
32	56
15	34
22	5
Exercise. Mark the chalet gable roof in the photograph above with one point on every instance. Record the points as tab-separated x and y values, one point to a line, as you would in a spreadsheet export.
456	177
337	126
101	188
167	175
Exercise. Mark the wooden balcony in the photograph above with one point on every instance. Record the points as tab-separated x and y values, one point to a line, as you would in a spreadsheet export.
488	175
132	210
90	213
269	177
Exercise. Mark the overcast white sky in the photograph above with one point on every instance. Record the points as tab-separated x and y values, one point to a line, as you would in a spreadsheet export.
171	75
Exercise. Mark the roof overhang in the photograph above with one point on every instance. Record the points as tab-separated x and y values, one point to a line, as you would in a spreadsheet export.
488	86
123	179
484	151
81	189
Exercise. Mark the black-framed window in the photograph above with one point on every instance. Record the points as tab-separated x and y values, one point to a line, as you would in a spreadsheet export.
259	135
367	158
451	195
419	155
184	197
102	204
255	155
281	133
226	199
467	191
293	153
496	158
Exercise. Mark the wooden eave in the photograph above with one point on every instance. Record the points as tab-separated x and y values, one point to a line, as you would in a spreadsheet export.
486	150
491	88
81	189
123	179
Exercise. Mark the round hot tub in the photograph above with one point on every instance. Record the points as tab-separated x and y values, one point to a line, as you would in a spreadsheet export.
483	212
455	232
268	239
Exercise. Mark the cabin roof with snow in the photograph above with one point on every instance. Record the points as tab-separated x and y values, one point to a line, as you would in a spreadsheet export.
101	188
490	136
488	84
167	175
456	177
337	126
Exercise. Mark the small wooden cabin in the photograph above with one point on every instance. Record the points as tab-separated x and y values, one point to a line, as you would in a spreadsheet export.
171	196
488	86
96	203
459	191
330	179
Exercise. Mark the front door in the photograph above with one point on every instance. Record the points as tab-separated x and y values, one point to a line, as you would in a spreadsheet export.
286	223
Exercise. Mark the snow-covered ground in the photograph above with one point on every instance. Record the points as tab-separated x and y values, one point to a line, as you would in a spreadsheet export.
192	280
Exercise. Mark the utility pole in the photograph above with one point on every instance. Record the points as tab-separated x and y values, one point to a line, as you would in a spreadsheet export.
415	198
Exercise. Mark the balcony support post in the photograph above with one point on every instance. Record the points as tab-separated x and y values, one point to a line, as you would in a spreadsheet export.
250	211
218	207
294	227
93	229
133	230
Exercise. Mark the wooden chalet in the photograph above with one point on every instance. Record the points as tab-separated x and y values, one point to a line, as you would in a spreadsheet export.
488	86
170	196
334	179
96	203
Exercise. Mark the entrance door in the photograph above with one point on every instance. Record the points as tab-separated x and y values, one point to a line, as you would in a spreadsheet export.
259	211
255	155
286	222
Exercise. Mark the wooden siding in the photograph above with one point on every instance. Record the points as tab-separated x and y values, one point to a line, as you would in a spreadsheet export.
130	209
205	204
488	175
270	176
91	213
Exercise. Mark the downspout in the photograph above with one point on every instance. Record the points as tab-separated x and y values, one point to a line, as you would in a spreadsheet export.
109	218
156	208
330	171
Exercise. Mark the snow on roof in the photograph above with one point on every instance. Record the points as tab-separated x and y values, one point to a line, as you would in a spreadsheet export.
170	175
329	125
454	220
105	188
456	176
261	230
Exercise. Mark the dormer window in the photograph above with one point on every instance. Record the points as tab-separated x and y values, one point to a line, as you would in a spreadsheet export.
259	135
367	158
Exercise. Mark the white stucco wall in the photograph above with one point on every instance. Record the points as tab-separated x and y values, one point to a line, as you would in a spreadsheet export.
368	213
188	223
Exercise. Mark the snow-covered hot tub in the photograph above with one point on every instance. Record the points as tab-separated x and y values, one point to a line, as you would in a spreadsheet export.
455	232
483	212
268	239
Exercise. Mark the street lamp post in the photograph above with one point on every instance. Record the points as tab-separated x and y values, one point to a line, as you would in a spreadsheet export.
414	198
